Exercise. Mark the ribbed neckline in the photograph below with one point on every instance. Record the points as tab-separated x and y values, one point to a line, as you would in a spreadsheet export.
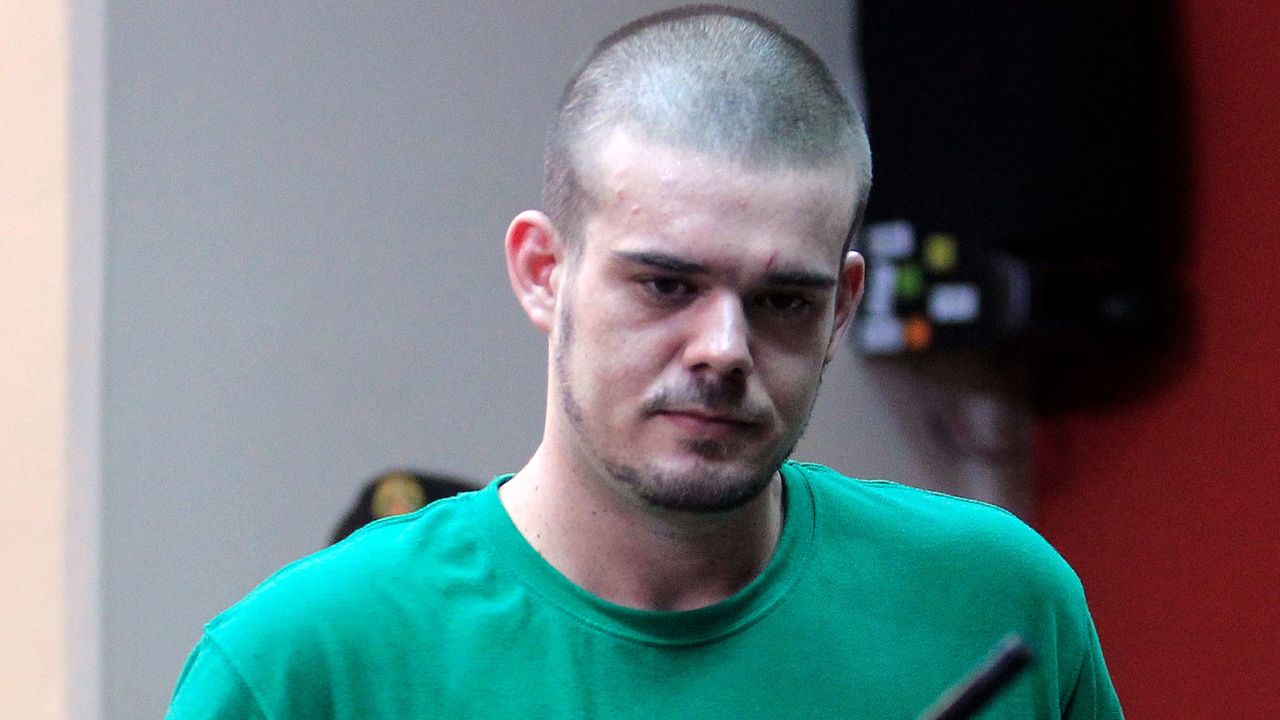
690	627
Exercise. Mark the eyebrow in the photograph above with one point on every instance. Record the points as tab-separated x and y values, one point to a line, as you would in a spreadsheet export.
662	261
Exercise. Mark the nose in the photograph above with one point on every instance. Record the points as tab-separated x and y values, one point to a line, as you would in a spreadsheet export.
719	340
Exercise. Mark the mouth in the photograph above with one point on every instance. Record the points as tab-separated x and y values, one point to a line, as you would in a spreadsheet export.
706	423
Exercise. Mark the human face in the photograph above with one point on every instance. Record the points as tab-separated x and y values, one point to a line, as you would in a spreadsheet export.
695	320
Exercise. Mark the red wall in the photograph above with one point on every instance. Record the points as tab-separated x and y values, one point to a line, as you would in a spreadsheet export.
1170	508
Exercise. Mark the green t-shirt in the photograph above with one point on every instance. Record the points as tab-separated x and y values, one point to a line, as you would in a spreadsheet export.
878	598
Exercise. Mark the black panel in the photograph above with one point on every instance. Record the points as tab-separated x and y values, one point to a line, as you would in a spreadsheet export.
1045	138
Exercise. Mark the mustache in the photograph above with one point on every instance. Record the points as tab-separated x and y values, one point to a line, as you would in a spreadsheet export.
723	397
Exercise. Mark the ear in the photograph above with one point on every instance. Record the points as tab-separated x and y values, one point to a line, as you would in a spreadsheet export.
534	254
848	294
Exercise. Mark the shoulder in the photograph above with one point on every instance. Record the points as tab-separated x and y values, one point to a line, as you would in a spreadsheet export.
348	586
331	623
898	503
964	568
955	538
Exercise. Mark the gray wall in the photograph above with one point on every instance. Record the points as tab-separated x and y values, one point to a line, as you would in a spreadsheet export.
304	283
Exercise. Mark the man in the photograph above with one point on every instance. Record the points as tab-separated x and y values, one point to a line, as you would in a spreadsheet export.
659	556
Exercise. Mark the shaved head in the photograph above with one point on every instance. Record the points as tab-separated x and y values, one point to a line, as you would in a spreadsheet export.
715	80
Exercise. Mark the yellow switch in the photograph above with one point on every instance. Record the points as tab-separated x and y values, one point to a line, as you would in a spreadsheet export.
941	253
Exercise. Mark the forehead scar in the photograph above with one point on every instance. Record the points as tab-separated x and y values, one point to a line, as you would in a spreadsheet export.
773	259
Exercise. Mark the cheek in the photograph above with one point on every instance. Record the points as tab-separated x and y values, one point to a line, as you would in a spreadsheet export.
791	381
623	340
610	354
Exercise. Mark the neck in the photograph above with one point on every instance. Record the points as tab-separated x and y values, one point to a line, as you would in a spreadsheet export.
617	548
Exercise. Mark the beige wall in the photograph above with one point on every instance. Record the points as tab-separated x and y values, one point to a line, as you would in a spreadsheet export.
34	359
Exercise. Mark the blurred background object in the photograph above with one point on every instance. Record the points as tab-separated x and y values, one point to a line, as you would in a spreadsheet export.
396	492
1025	237
1031	194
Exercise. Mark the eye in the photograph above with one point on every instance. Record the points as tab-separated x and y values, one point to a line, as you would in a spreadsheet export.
784	304
667	287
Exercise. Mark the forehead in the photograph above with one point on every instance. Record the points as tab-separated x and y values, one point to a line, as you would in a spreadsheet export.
652	192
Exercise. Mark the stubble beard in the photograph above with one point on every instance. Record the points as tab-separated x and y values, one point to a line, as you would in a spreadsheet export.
708	488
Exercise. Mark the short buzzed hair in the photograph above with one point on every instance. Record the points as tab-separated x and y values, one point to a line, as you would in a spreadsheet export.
711	79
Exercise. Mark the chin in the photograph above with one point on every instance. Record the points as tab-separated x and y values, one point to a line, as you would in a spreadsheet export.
696	485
